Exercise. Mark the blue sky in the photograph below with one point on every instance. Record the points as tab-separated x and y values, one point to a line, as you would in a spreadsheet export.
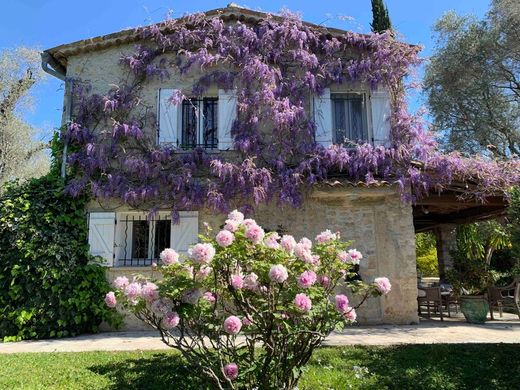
47	23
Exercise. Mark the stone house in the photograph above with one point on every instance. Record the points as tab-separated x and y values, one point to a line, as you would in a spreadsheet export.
381	226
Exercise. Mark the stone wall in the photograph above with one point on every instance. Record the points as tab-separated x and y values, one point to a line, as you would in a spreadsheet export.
380	226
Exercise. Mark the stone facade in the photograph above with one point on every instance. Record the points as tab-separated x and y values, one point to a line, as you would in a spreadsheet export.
377	222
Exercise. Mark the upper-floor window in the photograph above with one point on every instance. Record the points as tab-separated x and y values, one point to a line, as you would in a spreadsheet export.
197	122
199	125
349	113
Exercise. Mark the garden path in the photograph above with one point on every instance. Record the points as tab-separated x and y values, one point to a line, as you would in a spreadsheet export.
506	330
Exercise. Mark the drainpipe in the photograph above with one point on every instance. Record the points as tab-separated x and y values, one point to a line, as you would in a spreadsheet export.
55	69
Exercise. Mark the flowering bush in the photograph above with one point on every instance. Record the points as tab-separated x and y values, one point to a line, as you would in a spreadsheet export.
247	308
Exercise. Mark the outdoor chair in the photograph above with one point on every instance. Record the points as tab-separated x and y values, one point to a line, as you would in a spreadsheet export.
431	299
505	297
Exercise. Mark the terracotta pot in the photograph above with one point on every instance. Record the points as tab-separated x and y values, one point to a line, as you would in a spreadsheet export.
474	308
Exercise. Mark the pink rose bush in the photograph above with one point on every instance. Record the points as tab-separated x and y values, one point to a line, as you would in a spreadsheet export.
242	296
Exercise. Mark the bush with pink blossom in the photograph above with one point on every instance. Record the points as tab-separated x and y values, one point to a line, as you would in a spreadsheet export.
245	307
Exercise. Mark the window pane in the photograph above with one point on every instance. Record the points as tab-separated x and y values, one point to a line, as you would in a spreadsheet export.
189	123
210	122
163	230
140	234
339	121
349	113
356	119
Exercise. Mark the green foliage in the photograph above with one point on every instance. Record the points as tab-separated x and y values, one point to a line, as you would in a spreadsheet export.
426	252
380	18
428	367
48	285
471	81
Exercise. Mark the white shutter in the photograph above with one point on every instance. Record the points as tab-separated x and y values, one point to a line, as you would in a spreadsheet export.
381	112
227	112
169	117
101	236
322	112
185	233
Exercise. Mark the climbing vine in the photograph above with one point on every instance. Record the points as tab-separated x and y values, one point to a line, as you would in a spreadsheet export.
275	66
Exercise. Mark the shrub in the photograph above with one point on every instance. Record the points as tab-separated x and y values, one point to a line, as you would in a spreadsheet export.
48	285
246	308
426	250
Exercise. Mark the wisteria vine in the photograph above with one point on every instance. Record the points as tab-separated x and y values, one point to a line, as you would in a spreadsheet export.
275	65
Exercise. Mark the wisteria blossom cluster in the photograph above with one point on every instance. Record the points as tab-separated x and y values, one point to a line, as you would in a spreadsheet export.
274	66
248	307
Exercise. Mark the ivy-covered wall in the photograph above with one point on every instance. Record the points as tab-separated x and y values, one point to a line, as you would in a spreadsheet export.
49	284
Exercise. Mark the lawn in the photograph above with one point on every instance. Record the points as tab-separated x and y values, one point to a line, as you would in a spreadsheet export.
466	366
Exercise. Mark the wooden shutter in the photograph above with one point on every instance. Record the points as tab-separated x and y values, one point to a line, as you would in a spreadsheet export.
169	117
381	112
185	233
227	113
322	112
101	236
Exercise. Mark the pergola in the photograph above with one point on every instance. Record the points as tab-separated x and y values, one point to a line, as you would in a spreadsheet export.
441	212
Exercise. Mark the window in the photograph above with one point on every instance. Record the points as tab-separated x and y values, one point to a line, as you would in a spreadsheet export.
141	240
349	117
199	123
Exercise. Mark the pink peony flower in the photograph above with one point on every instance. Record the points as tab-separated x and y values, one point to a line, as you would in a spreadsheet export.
306	243
225	238
246	321
209	296
154	265
383	285
110	299
169	256
236	281
278	273
249	222
251	281
255	233
236	215
203	272
149	291
324	280
162	305
271	241
202	253
192	296
325	236
171	320
355	256
232	325
303	253
307	279
133	290
302	302
231	225
341	303
120	282
231	371
350	314
288	243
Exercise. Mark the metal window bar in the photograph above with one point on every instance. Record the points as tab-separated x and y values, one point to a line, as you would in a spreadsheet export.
199	124
143	240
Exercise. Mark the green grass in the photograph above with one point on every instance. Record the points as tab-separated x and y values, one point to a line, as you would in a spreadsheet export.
467	366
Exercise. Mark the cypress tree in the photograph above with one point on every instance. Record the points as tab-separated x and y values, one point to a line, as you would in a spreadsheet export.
380	18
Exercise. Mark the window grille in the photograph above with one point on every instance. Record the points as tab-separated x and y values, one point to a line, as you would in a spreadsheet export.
142	240
199	125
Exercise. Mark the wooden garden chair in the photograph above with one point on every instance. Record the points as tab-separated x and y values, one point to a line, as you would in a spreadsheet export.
431	299
507	296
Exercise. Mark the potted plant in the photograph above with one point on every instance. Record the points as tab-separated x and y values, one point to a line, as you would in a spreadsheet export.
471	276
470	279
